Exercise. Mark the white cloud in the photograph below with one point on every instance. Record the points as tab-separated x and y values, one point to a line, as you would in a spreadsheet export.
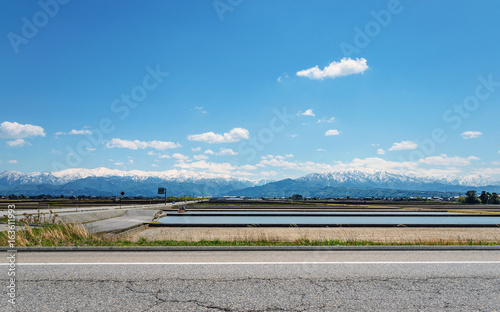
154	165
196	149
379	163
209	151
345	67
381	151
293	136
445	160
448	171
200	157
320	150
247	167
56	151
495	163
215	167
74	132
403	145
163	156
308	112
136	144
308	166
180	156
130	161
90	149
161	145
199	109
235	135
471	134
272	156
242	173
80	132
268	173
202	164
12	161
332	132
226	152
119	163
488	171
329	120
14	130
17	143
289	155
284	76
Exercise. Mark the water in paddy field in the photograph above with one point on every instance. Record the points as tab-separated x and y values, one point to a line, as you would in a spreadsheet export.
284	218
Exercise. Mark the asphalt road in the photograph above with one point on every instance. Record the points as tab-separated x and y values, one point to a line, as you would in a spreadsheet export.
257	281
129	219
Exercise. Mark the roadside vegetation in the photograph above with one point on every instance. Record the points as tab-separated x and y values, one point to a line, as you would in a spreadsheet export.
76	235
486	198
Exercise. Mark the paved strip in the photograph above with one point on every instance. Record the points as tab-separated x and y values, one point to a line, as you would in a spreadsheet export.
493	224
256	248
304	286
254	263
258	256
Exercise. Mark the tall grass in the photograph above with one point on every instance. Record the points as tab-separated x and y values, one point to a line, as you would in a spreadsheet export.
53	235
77	235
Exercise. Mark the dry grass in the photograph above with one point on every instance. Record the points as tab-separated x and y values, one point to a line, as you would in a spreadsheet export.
77	235
475	212
377	235
364	206
54	235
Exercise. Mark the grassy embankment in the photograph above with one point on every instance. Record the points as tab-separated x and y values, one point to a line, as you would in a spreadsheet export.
77	235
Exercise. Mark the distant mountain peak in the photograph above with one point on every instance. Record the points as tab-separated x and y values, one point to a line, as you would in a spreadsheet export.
106	181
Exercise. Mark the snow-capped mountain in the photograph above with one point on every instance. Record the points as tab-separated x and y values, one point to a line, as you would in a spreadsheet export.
365	177
104	181
16	178
69	175
362	182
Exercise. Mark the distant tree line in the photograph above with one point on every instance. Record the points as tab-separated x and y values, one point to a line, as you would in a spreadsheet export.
472	198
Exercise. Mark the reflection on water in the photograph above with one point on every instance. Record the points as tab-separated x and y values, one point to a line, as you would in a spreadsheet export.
372	219
319	213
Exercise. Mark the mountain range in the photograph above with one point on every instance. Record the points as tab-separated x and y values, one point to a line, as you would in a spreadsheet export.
356	182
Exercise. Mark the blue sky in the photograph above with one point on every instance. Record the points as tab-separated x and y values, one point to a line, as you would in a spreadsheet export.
230	87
